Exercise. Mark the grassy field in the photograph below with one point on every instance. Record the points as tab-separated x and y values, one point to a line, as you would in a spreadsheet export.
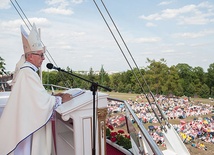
122	96
192	150
126	96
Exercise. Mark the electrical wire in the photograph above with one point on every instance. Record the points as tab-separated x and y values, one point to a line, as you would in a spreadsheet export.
141	85
28	24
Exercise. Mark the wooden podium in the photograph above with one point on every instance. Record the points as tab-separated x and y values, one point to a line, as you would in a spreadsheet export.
74	122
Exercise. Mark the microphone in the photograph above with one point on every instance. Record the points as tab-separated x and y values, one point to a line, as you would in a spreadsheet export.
51	66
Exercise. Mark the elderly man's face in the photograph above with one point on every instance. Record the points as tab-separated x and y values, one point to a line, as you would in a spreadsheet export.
36	58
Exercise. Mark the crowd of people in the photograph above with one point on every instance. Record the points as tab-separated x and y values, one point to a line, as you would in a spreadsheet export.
195	132
173	108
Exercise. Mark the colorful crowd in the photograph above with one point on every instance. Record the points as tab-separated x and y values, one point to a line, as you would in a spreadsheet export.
195	132
173	108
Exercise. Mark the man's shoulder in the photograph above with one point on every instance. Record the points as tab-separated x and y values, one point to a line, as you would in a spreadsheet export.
27	67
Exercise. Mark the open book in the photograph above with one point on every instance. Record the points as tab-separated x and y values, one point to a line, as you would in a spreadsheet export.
75	92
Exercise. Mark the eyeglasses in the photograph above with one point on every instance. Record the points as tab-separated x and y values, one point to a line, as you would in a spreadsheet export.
41	55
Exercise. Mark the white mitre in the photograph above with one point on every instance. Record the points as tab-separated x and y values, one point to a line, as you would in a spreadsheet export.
31	42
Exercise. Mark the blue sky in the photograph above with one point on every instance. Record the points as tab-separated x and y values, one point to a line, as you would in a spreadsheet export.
75	34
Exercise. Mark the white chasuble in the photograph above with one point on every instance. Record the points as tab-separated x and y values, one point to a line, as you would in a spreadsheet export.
27	113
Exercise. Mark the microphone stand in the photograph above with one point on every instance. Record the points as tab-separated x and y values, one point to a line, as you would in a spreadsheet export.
93	88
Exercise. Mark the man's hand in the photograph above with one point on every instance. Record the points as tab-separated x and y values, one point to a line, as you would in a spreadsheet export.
65	97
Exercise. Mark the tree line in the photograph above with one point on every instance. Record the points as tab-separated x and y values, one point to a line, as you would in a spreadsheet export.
157	77
178	80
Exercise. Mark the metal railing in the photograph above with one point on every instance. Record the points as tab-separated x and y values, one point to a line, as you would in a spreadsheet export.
153	146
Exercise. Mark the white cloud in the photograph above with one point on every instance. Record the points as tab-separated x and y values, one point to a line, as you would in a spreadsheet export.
155	16
194	20
10	25
165	3
58	11
180	44
85	35
149	24
59	3
77	1
60	7
169	13
199	44
194	34
148	40
168	51
5	4
190	14
16	23
63	2
188	35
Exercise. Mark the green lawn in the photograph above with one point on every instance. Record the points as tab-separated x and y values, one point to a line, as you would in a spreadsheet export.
126	96
122	96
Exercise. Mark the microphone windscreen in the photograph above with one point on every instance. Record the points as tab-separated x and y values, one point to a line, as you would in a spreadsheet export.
49	65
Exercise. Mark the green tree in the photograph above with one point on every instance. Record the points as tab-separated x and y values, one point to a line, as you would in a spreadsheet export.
137	81
186	78
114	81
210	78
178	80
103	79
204	91
156	74
172	84
128	80
91	75
199	74
190	89
121	87
199	79
2	64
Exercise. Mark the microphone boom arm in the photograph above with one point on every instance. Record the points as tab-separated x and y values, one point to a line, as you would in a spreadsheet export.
93	88
94	84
